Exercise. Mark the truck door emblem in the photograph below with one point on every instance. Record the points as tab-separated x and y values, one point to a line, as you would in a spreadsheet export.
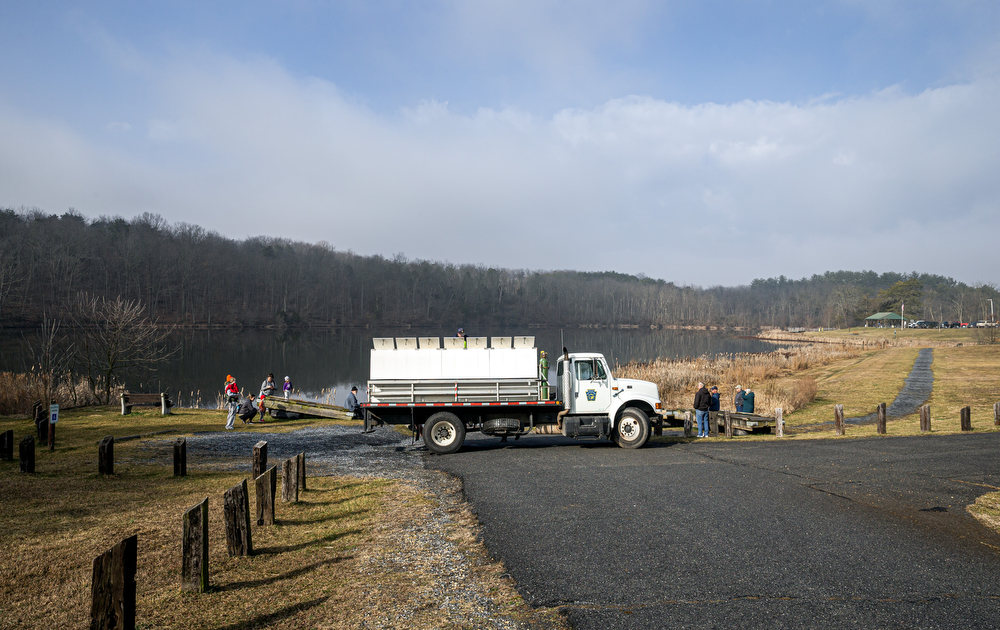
591	395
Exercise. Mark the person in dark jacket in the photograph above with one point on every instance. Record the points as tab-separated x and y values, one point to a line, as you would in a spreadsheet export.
714	391
352	404
702	403
748	401
738	400
247	410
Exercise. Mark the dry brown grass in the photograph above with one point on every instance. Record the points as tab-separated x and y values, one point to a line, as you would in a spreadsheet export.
677	380
323	565
966	375
18	391
879	338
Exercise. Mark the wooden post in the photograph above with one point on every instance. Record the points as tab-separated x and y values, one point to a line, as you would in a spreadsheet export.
779	423
728	424
965	418
925	418
265	486
106	455
52	436
27	453
180	457
687	424
996	414
713	424
43	430
112	590
838	419
194	549
259	458
236	511
7	445
289	482
300	466
880	419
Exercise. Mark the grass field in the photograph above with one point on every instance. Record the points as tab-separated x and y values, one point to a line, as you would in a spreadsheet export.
339	558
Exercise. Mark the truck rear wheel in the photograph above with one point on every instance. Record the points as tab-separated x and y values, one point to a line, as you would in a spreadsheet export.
632	430
444	433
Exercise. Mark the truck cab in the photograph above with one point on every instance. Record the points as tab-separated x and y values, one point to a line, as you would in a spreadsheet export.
597	404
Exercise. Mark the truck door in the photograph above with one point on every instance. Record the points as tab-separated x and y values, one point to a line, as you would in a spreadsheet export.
592	392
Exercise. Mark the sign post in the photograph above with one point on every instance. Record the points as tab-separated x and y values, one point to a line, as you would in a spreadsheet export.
53	419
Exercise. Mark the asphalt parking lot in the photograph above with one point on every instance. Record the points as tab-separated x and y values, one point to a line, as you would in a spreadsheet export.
779	534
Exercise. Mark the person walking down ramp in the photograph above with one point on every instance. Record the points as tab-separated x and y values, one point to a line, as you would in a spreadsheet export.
702	403
232	401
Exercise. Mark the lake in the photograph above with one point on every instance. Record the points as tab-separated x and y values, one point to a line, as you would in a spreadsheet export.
324	364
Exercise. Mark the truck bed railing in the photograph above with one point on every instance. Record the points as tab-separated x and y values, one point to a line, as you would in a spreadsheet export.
454	391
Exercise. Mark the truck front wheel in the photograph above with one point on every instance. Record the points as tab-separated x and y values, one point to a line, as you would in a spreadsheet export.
444	433
633	428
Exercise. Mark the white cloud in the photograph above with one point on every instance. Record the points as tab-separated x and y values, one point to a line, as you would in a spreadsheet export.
708	194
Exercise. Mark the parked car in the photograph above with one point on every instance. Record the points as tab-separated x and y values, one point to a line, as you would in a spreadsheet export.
945	324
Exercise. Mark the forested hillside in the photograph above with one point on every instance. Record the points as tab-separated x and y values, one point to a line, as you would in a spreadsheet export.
186	275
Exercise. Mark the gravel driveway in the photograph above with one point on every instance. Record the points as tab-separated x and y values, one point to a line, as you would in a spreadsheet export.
424	544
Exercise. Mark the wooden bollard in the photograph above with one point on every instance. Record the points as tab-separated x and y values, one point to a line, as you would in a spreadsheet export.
727	422
236	513
713	424
43	430
289	481
687	424
925	418
880	419
838	419
112	591
265	487
7	445
106	455
779	423
300	467
996	414
52	436
194	549
180	457
965	418
26	450
259	459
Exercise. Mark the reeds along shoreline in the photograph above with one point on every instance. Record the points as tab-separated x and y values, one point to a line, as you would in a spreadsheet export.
677	380
18	391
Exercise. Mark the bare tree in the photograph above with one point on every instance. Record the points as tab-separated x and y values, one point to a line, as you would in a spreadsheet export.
51	355
116	340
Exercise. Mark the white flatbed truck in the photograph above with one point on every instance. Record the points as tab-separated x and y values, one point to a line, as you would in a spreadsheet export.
442	391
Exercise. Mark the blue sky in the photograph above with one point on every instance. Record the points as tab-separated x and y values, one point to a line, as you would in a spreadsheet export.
702	142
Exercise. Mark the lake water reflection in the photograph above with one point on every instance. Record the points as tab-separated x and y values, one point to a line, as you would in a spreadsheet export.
320	362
